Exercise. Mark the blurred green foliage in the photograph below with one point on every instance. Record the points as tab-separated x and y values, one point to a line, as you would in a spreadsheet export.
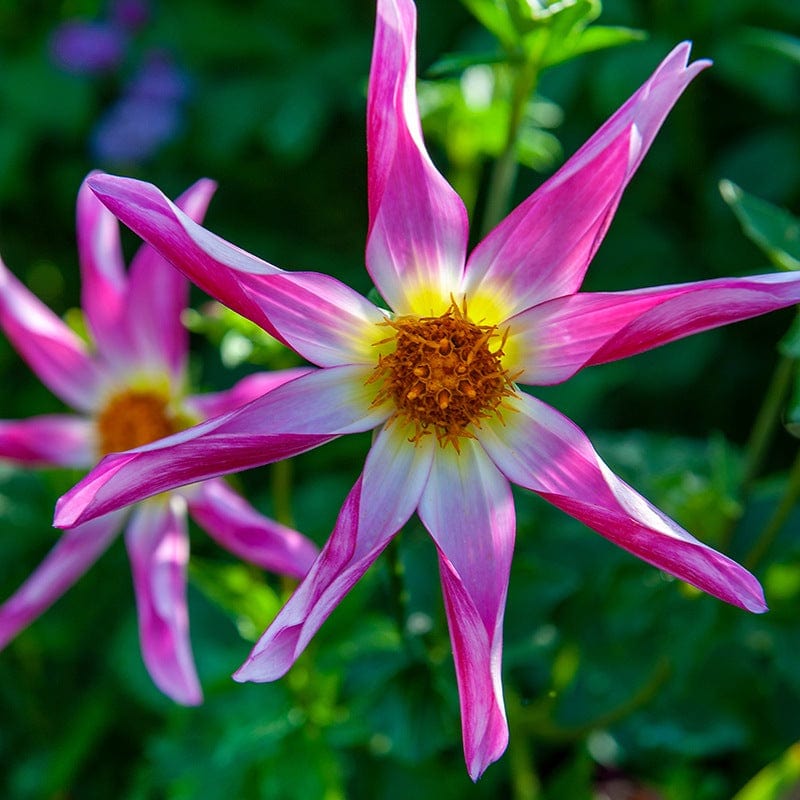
615	675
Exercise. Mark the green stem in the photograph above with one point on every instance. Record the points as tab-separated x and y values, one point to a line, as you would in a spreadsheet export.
767	420
539	721
525	784
778	519
504	172
281	484
398	589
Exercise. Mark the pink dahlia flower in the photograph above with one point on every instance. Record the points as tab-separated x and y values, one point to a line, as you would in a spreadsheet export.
437	376
130	390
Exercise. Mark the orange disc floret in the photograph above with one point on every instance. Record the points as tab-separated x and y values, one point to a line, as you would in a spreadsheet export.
442	375
135	417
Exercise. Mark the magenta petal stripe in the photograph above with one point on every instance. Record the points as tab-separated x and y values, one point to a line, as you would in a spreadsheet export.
468	508
249	388
103	279
558	338
229	519
379	504
295	417
61	440
543	248
69	560
542	450
158	548
418	224
57	356
320	317
157	295
203	257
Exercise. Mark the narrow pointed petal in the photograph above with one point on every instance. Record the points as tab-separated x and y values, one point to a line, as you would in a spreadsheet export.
295	417
158	548
468	508
379	504
60	440
103	279
249	388
542	450
556	339
229	519
57	356
417	223
158	294
543	248
319	317
71	557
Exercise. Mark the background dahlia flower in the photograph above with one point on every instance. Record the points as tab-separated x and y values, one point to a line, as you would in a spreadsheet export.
437	376
130	390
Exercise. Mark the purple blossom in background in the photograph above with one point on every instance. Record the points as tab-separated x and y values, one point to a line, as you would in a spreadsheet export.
149	112
147	116
88	48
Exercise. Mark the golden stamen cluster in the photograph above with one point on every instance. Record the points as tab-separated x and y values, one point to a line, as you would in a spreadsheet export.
133	418
442	374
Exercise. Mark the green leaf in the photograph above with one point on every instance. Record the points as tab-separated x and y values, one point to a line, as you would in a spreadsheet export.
773	229
568	33
777	780
782	43
789	345
596	37
495	17
455	63
239	339
792	420
239	590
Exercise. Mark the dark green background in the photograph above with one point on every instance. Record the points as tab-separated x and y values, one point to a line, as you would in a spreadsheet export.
610	669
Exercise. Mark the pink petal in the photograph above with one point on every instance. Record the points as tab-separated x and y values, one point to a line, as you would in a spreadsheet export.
103	279
57	356
246	390
418	225
380	503
543	248
295	417
468	508
542	450
324	320
158	294
158	548
319	317
53	440
556	339
71	557
229	519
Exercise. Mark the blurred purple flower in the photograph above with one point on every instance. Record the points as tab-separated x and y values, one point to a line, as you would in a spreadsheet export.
88	47
147	116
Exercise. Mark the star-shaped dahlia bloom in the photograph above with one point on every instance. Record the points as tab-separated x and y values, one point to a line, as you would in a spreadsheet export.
129	390
437	376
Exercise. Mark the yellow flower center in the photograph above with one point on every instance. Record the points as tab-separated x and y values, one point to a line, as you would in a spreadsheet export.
135	417
442	374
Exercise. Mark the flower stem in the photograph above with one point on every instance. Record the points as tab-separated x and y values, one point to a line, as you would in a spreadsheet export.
398	589
767	420
761	435
504	172
525	782
775	523
538	718
281	484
